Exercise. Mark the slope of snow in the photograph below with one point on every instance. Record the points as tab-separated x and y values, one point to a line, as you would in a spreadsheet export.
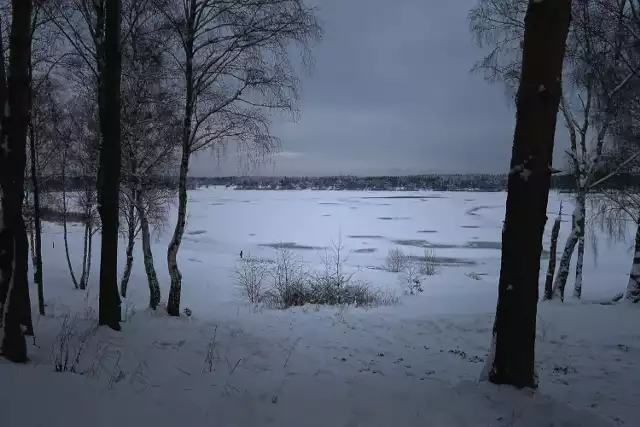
412	364
64	400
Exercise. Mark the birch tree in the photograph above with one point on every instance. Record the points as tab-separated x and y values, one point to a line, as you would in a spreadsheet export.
235	67
150	138
591	93
598	50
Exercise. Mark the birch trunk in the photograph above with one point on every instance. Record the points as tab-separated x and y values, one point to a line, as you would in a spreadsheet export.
84	276
131	242
173	303
577	289
577	230
551	269
89	256
152	277
65	233
633	287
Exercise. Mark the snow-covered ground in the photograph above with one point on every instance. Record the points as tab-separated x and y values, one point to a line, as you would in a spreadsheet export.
412	364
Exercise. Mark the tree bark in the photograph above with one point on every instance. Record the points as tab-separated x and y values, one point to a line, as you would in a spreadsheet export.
577	289
152	277
512	360
633	287
131	242
14	290
577	230
65	232
37	244
86	255
109	167
551	270
173	303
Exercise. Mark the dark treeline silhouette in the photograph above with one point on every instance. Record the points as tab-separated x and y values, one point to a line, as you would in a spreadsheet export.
435	182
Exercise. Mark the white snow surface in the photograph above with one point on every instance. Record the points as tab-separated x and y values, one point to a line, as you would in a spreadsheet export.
412	364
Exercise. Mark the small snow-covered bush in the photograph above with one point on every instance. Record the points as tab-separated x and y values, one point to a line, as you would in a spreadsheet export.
428	265
293	286
412	279
289	281
397	260
250	276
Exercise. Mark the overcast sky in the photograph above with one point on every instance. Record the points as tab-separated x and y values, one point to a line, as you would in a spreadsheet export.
391	93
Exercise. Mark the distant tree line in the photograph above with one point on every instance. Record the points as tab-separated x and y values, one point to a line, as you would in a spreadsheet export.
435	182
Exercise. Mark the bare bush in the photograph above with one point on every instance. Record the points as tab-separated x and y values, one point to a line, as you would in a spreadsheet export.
212	353
250	276
289	281
293	286
428	264
412	279
397	260
70	344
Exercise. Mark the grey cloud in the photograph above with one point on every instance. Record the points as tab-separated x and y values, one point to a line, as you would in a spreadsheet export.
391	92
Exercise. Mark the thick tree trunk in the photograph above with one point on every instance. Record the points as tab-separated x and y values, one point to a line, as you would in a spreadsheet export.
577	230
131	243
512	360
173	303
109	167
551	270
15	302
633	287
152	277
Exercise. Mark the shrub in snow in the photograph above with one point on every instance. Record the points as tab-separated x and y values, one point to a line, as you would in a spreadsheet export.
293	286
397	260
250	276
412	279
289	281
70	344
428	265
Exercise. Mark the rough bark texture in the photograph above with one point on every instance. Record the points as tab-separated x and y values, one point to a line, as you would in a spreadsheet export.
14	290
577	231
152	277
633	287
514	333
551	270
131	242
109	167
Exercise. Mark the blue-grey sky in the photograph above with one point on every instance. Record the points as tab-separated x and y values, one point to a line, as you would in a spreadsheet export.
391	93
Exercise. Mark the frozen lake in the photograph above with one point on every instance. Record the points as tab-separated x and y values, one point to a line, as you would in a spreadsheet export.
356	361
